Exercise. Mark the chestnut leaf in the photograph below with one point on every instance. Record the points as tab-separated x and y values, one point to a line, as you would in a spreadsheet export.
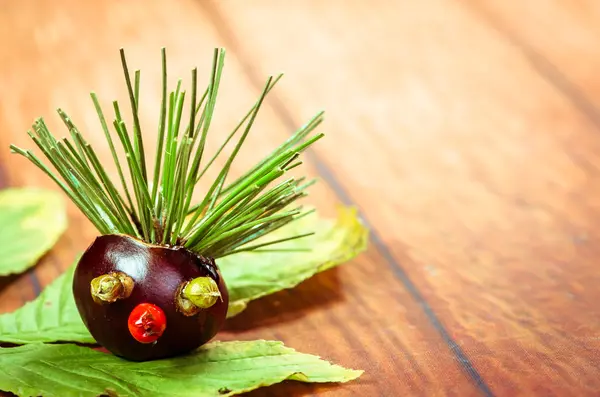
216	369
31	221
53	316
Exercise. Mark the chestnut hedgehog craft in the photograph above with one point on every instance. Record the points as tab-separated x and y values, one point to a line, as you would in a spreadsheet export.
149	286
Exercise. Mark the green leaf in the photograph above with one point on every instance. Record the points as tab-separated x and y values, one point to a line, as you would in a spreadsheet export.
216	369
251	275
31	221
53	316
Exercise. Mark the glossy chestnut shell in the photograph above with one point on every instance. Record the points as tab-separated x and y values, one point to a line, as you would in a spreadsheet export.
158	272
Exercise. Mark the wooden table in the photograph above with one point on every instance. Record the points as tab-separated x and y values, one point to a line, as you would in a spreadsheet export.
466	132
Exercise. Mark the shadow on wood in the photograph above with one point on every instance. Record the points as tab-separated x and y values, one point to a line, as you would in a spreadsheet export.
293	389
313	294
5	281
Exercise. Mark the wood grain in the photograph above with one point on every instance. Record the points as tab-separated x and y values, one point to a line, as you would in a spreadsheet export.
466	133
478	174
359	315
569	57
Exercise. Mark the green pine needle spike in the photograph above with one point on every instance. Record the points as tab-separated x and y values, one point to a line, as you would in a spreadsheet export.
158	208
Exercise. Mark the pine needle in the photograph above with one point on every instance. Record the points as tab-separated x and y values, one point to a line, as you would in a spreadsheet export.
157	207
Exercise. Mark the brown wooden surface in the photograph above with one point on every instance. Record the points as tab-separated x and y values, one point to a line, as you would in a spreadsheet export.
466	132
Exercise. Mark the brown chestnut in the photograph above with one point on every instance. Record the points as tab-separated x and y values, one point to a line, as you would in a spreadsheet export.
143	301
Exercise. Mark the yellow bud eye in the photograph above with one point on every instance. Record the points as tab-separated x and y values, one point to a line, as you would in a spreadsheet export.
109	288
199	293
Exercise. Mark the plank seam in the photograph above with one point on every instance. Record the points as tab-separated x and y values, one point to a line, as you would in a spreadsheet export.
35	282
328	176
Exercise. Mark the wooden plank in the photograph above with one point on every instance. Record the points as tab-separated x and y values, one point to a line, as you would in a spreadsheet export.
479	176
559	38
348	315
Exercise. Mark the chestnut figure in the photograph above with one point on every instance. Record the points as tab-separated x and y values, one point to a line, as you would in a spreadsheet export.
158	275
148	286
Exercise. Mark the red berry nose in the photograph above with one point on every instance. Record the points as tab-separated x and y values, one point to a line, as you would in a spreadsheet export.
147	322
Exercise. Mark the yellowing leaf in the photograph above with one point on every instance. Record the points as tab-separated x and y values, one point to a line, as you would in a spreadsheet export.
251	275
